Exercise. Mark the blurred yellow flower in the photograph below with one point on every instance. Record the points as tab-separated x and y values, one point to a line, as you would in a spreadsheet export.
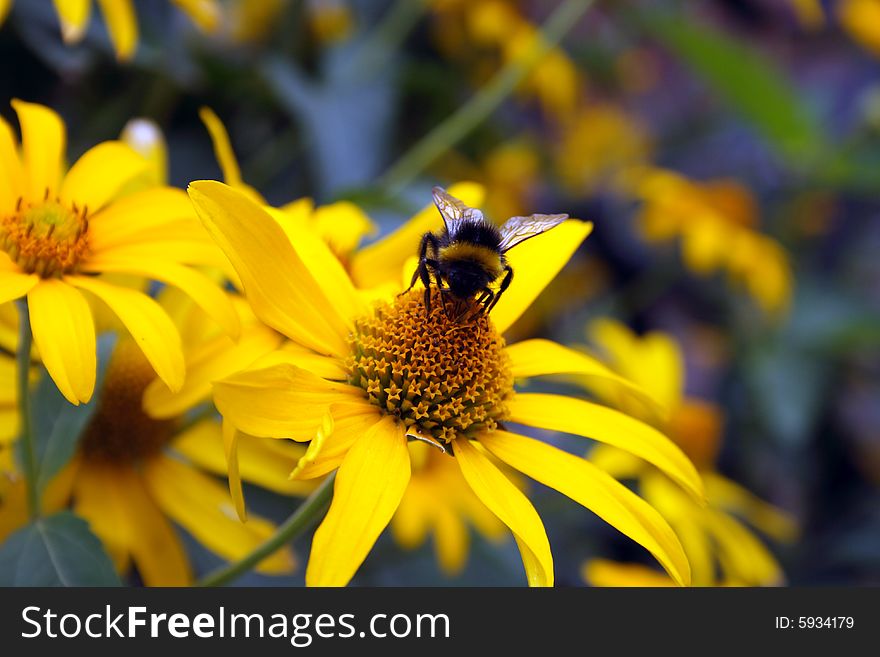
329	20
601	146
369	376
720	549
502	35
58	229
717	224
142	464
861	19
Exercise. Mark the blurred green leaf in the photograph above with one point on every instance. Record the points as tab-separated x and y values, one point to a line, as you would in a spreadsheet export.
59	550
746	79
57	424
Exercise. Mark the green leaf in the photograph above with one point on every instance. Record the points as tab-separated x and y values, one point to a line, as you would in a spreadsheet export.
59	550
57	424
750	82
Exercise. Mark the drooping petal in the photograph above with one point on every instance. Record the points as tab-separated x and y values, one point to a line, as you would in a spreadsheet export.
148	324
43	141
99	174
513	509
583	418
283	292
368	488
281	401
350	422
74	17
382	261
231	437
64	334
535	263
202	507
586	484
122	25
539	357
201	289
11	171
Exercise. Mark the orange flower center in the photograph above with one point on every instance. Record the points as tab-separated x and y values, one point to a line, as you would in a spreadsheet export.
46	238
443	376
120	431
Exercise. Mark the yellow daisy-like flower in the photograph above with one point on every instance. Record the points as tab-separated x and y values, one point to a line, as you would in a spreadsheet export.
121	19
721	550
367	376
716	222
141	464
58	230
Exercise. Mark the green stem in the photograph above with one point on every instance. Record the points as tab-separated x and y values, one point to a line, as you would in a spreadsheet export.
483	103
23	369
298	522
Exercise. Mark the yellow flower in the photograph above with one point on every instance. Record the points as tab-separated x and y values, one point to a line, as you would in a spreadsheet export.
368	375
58	229
716	222
141	464
600	146
721	550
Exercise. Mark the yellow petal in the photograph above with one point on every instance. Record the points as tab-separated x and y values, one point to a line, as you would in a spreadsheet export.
214	359
206	14
727	494
342	225
262	461
225	155
4	9
11	171
583	418
350	422
150	213
231	436
382	261
535	263
451	540
145	137
280	287
541	357
14	285
368	488
291	353
74	17
122	26
281	401
201	289
602	572
103	507
43	141
513	509
100	173
64	334
202	507
148	324
586	484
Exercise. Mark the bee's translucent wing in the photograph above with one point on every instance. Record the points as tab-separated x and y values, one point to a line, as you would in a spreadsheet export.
453	211
519	229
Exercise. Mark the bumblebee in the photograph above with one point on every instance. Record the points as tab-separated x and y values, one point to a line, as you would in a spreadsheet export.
467	256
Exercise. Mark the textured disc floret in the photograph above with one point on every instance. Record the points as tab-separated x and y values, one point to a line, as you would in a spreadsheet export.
442	375
120	431
46	238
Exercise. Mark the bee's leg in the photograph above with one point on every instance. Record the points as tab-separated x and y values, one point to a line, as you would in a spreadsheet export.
482	300
505	283
421	272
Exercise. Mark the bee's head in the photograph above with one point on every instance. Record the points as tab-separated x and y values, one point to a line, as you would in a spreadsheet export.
465	281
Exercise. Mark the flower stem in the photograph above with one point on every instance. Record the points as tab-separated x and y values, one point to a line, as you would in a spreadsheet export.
484	102
298	522
23	369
